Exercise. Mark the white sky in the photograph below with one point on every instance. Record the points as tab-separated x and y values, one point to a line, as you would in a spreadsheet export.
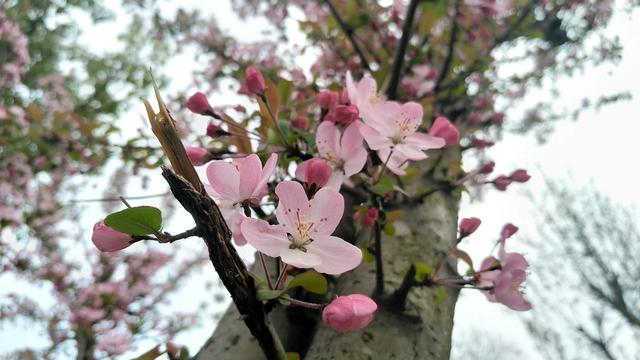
599	147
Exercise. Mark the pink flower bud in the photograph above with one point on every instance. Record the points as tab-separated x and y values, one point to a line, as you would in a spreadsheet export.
197	155
108	240
520	176
215	131
508	230
444	129
348	313
344	114
502	182
254	81
481	144
198	104
487	168
370	217
468	226
327	99
314	171
301	123
498	117
475	117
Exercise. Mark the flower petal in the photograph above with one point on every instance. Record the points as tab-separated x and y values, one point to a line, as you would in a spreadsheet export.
327	208
250	169
374	138
224	178
299	258
293	205
328	141
425	141
338	256
268	239
267	171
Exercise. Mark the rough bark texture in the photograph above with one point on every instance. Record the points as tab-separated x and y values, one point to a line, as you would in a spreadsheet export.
423	331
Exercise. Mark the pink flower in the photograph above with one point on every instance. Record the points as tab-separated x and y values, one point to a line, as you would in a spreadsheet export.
487	168
502	279
314	171
344	152
327	99
198	155
301	123
481	144
349	313
254	81
507	231
343	114
108	240
468	226
303	236
501	182
242	180
443	128
215	131
364	95
498	117
369	219
520	176
199	104
392	132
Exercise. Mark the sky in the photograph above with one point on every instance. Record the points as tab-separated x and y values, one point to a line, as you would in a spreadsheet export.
597	149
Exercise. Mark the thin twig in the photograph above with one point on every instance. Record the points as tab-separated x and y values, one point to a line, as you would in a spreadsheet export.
379	269
349	32
450	48
396	73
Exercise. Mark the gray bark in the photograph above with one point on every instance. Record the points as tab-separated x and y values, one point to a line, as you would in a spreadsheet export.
423	331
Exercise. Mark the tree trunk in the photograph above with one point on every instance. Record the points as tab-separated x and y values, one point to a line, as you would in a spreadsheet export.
423	331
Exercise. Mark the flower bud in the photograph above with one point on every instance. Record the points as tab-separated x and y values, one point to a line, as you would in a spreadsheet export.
198	104
327	99
444	129
254	81
501	182
520	176
508	230
369	219
108	240
468	226
475	117
215	131
197	155
344	114
301	123
348	313
498	117
487	168
314	171
481	144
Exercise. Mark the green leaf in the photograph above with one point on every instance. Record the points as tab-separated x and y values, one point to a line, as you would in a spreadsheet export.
441	295
293	356
267	294
139	220
367	256
389	230
383	186
422	271
311	280
285	89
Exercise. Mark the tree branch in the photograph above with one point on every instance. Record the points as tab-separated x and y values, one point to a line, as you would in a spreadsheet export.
450	48
392	90
349	32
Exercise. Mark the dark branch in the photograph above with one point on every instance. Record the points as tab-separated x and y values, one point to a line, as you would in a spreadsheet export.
450	48
379	268
349	32
396	72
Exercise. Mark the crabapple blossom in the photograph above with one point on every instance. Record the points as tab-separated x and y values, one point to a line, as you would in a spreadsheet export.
236	183
444	129
349	313
302	237
507	231
199	104
301	123
344	152
520	176
314	171
468	226
327	99
107	239
198	155
254	81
